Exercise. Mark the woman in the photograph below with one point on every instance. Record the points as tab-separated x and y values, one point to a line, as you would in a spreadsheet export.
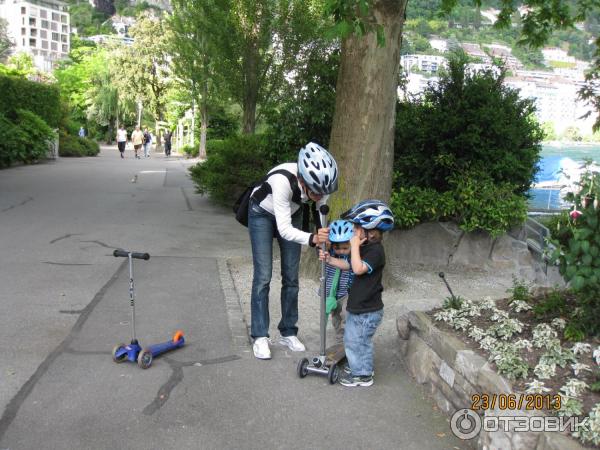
275	212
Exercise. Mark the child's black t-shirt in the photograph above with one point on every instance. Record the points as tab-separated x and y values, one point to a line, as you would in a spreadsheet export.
365	293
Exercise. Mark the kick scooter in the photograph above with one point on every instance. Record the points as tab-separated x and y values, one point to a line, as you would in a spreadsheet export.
326	363
134	351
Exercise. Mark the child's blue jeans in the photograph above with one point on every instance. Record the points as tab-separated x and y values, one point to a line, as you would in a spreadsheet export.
358	341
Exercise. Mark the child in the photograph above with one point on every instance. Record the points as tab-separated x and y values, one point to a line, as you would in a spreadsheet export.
338	280
364	311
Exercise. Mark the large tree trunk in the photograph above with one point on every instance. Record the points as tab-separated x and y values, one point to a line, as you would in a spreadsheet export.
362	135
250	87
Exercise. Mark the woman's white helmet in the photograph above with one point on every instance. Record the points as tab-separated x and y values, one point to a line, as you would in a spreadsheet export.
318	169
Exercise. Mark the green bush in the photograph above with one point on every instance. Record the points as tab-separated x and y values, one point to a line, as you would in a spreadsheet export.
467	150
231	166
26	140
20	93
75	146
190	151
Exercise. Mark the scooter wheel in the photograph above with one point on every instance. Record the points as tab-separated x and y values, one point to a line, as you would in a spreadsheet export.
302	367
144	359
178	335
334	373
121	358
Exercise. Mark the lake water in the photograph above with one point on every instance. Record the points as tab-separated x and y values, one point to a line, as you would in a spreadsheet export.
554	159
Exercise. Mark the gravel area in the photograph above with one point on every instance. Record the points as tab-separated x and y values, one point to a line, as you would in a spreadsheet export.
416	288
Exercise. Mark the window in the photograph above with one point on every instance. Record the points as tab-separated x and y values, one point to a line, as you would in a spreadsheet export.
63	38
65	48
55	36
55	16
23	31
43	14
54	46
23	10
63	18
45	24
32	42
54	26
43	34
45	44
65	29
32	21
33	32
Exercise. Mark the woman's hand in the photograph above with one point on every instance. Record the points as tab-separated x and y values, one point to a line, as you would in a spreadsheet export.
322	236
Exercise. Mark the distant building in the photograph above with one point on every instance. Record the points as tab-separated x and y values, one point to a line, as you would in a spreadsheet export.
475	51
121	24
441	45
40	28
423	63
504	53
557	54
106	38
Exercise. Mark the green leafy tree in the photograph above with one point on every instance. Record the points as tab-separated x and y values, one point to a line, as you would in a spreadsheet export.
6	43
144	72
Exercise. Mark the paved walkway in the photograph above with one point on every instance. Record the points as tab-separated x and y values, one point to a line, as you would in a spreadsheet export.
65	305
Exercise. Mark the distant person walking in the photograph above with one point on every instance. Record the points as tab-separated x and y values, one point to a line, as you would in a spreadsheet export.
121	139
147	143
167	137
81	132
137	138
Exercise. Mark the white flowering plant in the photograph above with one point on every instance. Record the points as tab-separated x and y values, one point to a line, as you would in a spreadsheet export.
579	367
506	328
520	306
580	348
591	431
574	388
536	387
545	371
558	355
544	336
570	406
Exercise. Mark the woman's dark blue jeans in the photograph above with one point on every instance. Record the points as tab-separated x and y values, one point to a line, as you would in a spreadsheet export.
263	228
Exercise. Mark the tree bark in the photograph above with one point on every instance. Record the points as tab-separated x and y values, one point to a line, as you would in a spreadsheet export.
250	87
362	135
203	120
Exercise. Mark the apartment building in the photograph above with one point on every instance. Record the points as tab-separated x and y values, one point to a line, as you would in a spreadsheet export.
40	28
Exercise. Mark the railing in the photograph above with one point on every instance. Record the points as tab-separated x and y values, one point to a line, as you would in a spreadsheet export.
536	236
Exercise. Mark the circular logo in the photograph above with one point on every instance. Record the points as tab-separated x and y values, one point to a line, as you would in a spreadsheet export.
465	424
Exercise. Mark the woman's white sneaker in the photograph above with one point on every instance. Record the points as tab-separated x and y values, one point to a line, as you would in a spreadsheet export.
261	348
293	343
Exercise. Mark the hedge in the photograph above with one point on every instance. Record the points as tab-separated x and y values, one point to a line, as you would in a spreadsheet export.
25	140
75	146
20	93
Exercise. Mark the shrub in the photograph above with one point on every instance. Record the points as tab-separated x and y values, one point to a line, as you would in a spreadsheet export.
467	150
20	93
75	146
26	140
231	166
190	151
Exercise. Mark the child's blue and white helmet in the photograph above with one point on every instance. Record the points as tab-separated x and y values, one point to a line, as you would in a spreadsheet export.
318	169
371	215
340	231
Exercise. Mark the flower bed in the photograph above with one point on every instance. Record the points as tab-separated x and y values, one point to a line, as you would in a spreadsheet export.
530	352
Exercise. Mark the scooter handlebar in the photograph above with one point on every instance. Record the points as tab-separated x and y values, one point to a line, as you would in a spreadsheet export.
125	254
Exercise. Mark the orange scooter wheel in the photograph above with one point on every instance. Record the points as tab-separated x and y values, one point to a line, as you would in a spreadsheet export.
178	335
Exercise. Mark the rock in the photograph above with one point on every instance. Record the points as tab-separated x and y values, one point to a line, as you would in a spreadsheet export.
422	324
557	441
419	358
468	363
489	382
403	327
446	345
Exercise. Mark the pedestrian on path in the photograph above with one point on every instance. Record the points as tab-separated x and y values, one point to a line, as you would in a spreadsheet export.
275	212
81	132
147	143
121	139
137	138
167	137
364	311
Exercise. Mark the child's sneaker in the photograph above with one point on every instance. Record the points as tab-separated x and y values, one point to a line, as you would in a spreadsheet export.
349	380
347	371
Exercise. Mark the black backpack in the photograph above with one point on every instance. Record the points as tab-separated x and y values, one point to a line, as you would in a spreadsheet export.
241	205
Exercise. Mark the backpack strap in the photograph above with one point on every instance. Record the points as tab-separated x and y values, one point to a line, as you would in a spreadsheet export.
265	188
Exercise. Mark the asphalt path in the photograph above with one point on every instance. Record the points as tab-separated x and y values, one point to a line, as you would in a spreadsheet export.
65	304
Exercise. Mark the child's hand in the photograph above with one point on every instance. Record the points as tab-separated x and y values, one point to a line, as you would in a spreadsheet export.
357	240
323	256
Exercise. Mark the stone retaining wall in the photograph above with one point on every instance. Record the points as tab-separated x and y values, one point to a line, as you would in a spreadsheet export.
453	373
